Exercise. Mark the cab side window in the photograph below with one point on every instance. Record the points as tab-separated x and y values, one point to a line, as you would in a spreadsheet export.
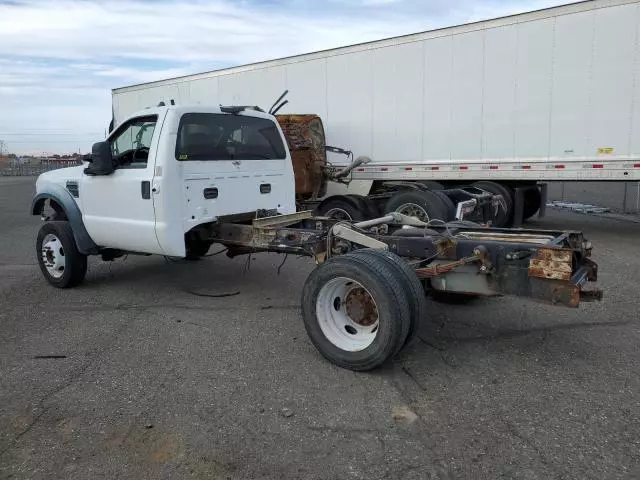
131	142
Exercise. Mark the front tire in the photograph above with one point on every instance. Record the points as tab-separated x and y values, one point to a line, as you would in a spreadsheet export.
62	265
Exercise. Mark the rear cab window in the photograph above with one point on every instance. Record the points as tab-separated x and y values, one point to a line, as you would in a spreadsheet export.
219	136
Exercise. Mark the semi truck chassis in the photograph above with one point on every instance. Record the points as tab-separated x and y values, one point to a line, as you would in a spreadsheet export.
366	297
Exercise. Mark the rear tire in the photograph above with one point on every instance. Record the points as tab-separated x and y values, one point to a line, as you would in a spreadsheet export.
448	203
341	209
410	284
502	218
62	265
356	311
421	204
367	207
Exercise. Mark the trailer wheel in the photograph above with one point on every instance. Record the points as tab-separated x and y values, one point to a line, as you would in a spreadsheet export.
448	203
356	311
502	218
532	200
410	284
366	206
62	265
431	185
421	204
341	208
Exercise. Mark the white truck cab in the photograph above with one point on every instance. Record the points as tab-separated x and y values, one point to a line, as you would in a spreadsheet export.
166	170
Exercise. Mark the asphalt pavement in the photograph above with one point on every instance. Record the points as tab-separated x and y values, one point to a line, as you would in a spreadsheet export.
136	375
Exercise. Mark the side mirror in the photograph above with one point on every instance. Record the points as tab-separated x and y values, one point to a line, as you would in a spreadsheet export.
101	160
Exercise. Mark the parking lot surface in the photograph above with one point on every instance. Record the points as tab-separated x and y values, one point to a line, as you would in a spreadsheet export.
136	374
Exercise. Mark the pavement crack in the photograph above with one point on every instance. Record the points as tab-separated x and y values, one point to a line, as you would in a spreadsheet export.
408	373
73	377
326	428
26	430
513	430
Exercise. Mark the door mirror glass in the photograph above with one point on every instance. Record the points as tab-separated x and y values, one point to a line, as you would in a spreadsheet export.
101	160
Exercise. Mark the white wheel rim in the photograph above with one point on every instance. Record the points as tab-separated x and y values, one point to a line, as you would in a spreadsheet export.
347	314
413	210
53	255
338	214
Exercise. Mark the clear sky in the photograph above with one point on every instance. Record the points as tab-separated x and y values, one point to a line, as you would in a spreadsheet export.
60	59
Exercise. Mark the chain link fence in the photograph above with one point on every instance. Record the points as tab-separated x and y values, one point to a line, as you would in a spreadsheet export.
34	169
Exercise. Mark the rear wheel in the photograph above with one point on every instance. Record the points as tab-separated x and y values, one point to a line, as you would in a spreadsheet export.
356	311
421	204
341	209
448	203
62	265
366	206
410	284
502	218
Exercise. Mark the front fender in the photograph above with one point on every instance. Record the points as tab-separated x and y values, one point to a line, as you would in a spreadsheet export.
63	198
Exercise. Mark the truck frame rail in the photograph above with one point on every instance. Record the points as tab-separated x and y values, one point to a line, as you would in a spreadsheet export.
457	257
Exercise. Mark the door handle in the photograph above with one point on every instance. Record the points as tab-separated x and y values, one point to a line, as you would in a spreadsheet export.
145	189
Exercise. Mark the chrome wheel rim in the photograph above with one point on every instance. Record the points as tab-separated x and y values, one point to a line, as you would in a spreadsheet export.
53	256
338	214
413	210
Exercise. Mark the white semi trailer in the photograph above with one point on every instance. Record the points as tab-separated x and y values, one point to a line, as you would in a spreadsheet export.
503	104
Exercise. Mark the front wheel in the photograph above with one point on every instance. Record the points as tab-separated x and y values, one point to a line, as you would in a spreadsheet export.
62	265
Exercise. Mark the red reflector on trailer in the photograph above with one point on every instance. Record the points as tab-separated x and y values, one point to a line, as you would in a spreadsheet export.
597	165
464	167
359	169
408	169
636	165
435	168
526	167
384	169
559	166
493	167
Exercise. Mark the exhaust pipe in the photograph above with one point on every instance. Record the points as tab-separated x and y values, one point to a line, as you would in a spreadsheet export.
355	164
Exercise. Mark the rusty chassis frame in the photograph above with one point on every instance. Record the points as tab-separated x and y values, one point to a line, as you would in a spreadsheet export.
544	265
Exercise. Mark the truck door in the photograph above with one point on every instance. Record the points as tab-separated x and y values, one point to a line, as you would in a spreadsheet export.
232	164
118	208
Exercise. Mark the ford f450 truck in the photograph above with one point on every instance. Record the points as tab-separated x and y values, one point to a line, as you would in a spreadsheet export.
173	180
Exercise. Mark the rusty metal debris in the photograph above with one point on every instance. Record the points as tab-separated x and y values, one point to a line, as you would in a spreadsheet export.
360	307
552	263
306	141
